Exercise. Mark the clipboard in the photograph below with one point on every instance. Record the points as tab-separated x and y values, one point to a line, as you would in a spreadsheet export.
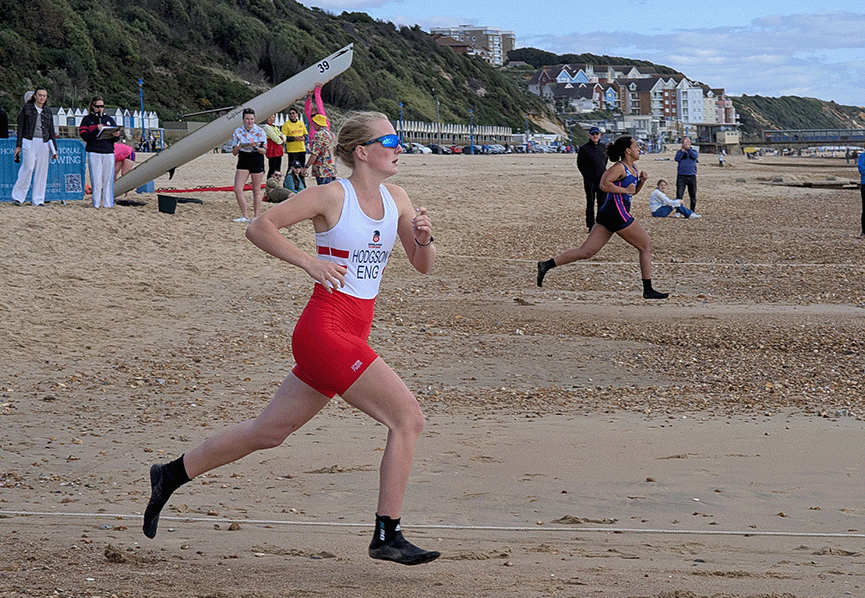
107	132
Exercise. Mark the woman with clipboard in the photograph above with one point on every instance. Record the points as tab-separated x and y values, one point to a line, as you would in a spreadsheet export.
99	132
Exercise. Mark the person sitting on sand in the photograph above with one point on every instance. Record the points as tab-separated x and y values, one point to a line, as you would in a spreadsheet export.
662	206
294	180
274	192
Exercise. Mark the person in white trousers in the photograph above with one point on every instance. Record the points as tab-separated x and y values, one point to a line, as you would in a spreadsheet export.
36	146
101	178
100	152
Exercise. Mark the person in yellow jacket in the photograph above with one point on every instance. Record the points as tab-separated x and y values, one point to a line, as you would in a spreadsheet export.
295	137
275	146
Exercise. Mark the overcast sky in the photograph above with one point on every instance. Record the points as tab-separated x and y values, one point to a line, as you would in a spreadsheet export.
753	47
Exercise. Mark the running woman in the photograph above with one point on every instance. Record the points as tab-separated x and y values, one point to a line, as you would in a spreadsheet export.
620	181
356	221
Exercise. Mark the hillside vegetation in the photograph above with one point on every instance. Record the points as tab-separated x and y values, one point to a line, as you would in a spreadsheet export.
538	58
757	113
195	55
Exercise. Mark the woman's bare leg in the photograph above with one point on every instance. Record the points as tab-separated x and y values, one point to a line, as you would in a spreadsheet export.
256	193
240	177
598	237
293	404
637	236
381	394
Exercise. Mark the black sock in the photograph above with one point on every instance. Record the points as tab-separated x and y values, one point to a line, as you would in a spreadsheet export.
177	471
385	530
543	267
164	480
650	293
388	544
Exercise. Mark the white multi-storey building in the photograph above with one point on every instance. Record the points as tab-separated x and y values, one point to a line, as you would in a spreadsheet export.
690	104
496	41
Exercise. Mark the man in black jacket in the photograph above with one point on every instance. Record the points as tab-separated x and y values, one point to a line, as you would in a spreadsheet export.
4	123
592	162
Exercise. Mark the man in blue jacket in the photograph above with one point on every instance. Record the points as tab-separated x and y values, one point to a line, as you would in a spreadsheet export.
686	172
861	164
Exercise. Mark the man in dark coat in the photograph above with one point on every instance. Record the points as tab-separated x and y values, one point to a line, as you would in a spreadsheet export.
4	123
592	162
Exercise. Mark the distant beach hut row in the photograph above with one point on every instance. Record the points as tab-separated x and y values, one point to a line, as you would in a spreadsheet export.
130	119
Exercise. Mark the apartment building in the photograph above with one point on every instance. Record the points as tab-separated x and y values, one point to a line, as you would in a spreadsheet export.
633	91
495	41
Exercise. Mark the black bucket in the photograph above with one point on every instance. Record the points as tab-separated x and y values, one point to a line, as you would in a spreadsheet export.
167	203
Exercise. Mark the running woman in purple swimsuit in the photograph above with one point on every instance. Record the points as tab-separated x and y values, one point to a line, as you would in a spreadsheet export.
621	181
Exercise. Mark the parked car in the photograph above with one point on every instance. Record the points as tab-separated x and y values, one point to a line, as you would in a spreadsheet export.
440	149
420	148
455	149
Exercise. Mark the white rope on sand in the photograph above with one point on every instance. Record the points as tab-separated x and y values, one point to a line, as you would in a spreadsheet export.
631	263
537	528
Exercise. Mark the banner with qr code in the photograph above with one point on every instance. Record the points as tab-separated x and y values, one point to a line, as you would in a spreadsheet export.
65	174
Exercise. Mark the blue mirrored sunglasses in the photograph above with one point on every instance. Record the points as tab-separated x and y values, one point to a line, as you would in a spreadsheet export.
385	140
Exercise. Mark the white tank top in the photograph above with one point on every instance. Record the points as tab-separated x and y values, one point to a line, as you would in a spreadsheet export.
360	243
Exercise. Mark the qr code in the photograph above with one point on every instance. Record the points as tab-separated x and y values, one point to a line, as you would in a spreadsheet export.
73	183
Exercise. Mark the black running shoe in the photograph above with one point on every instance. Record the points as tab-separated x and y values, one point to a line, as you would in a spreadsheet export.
542	271
653	294
400	550
159	494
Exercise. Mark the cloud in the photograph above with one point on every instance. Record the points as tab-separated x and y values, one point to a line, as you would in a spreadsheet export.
345	5
430	21
813	55
817	55
337	6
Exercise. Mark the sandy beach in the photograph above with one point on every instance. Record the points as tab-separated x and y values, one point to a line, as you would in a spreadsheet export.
581	441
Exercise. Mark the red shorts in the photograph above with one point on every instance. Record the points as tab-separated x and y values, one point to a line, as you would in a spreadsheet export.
330	341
